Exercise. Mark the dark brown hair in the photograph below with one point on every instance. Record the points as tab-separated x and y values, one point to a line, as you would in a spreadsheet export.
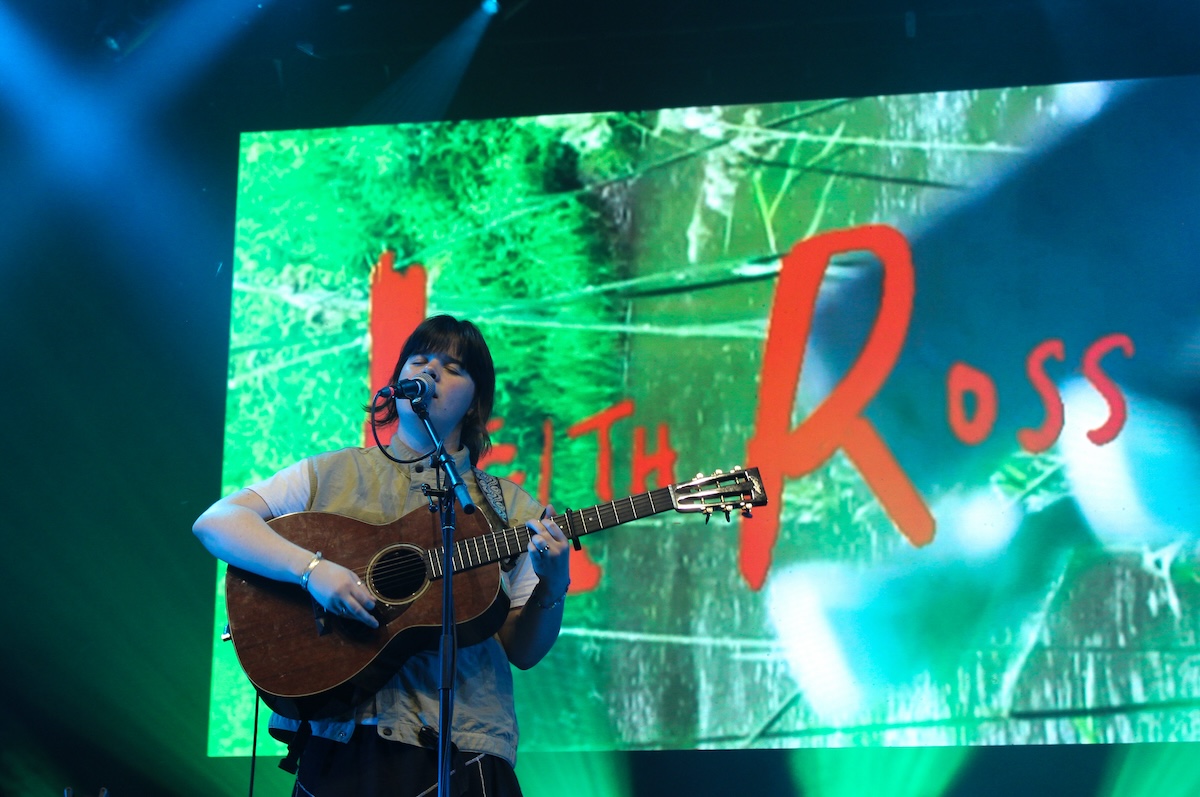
443	334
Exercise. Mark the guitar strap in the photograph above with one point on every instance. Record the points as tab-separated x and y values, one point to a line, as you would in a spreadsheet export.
489	485
295	747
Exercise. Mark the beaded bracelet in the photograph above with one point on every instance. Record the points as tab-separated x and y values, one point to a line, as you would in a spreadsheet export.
541	604
312	565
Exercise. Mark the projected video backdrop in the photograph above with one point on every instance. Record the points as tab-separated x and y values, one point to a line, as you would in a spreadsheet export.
957	332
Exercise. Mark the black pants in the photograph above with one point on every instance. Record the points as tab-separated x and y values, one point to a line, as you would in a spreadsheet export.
371	766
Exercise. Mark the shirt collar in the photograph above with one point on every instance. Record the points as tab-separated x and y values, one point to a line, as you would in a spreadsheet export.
462	457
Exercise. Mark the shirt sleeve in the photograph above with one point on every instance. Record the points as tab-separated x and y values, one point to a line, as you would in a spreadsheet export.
287	491
521	507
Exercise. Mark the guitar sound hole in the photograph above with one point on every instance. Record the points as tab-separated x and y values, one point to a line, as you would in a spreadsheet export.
397	574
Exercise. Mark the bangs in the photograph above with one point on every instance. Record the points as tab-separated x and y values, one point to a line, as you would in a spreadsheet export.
471	353
443	334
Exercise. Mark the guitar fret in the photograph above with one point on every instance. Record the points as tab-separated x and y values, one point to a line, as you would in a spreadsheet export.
571	535
475	551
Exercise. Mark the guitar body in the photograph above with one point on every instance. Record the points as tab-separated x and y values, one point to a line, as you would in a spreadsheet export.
307	663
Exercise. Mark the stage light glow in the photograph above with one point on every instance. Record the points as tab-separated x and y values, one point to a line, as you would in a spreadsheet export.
880	772
425	91
1152	770
184	42
975	526
811	647
1136	490
490	6
597	774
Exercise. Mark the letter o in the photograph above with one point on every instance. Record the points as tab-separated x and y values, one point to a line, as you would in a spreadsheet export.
961	380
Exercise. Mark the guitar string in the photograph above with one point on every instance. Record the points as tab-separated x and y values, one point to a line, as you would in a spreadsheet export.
514	538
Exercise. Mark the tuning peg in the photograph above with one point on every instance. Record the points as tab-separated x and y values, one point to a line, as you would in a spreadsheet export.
727	513
718	472
735	468
699	475
746	509
708	510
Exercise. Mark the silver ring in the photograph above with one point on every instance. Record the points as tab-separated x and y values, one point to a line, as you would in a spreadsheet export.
358	583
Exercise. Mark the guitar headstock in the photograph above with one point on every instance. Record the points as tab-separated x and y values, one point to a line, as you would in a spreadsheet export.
721	492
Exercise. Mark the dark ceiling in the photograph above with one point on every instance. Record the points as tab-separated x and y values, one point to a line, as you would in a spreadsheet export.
305	62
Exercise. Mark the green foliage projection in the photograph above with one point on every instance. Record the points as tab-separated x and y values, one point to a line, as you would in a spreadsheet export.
633	256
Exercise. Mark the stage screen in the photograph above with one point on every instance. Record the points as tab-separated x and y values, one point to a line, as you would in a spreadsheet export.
956	333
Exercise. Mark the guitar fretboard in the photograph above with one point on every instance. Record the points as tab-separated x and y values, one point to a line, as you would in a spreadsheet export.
488	548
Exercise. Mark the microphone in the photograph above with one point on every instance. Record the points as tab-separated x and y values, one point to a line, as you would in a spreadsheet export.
411	389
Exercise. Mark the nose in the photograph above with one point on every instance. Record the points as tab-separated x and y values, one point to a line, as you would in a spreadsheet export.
433	368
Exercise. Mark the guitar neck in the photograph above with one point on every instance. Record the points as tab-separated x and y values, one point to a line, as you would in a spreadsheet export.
487	548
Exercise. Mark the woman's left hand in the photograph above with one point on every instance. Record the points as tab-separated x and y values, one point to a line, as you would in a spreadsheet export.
549	551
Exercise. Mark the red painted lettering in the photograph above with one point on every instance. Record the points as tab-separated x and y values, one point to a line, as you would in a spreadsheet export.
397	307
1038	440
501	453
662	461
964	379
601	423
780	451
547	469
585	573
1107	431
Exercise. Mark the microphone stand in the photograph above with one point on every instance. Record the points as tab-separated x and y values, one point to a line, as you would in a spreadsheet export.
448	647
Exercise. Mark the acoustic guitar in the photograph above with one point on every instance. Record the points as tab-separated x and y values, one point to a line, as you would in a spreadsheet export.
307	663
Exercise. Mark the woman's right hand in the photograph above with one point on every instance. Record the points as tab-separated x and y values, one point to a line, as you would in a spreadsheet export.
340	591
